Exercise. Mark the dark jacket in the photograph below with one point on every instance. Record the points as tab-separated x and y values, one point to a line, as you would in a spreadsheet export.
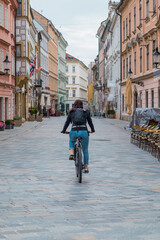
80	127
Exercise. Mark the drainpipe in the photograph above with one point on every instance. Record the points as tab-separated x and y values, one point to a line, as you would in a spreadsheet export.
116	10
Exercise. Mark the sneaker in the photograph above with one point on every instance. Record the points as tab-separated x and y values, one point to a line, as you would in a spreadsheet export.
86	171
71	157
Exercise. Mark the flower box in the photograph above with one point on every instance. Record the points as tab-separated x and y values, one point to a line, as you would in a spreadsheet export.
39	118
11	126
111	116
31	118
1	128
18	123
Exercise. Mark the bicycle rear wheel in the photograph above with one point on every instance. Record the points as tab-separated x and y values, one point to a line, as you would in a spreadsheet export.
80	165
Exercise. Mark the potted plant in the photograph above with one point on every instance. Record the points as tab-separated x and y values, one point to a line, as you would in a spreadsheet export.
17	121
9	124
2	126
111	114
39	116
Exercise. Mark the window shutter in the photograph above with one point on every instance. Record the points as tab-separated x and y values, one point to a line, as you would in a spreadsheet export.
1	14
6	18
2	59
11	24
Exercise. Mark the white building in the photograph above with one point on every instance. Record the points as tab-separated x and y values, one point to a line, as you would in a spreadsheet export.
111	39
77	81
45	93
62	44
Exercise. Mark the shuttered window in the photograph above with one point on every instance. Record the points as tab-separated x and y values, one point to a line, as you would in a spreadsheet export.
11	23
6	18
1	14
1	60
13	64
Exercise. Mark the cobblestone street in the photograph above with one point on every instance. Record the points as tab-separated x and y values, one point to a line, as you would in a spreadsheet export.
40	197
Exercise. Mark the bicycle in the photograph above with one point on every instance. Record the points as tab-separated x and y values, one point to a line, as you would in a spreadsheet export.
78	158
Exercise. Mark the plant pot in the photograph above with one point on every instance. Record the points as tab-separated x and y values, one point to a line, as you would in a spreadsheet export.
18	123
1	128
39	118
11	126
31	118
111	116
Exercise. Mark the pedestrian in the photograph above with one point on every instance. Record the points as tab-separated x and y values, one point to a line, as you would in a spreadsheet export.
79	118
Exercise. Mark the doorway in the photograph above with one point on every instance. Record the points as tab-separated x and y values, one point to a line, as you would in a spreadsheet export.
1	109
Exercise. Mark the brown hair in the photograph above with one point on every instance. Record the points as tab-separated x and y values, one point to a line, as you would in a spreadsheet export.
77	104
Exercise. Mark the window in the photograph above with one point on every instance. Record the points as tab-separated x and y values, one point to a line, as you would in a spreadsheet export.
73	69
73	93
146	99
123	30
67	80
154	49
147	8
134	18
129	23
140	60
140	12
152	98
73	80
126	27
1	60
129	62
124	69
13	65
134	63
140	95
147	56
6	18
1	14
66	68
154	6
18	50
19	9
122	102
67	93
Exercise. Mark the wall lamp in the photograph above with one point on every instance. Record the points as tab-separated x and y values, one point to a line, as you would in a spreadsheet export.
156	58
6	67
138	83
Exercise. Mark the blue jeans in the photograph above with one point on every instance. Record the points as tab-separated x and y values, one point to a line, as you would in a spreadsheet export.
85	141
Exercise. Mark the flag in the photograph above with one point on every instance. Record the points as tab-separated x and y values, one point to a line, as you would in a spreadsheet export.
32	66
38	69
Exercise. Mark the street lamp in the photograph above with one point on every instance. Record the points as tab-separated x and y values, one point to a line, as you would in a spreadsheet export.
130	73
156	57
6	66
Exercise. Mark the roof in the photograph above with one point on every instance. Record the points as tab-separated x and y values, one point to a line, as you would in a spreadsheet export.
70	58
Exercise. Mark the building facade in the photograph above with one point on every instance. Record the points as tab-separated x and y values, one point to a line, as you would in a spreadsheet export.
52	58
62	45
140	37
7	49
26	51
44	63
77	79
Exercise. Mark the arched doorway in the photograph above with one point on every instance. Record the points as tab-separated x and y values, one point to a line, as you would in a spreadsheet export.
135	99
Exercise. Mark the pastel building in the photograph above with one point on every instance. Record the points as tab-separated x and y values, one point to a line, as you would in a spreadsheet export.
62	77
140	37
26	50
52	59
77	80
7	49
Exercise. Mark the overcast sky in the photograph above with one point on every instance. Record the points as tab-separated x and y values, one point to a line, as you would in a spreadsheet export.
78	21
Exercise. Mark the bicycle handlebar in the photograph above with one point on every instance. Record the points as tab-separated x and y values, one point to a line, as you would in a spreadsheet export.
69	132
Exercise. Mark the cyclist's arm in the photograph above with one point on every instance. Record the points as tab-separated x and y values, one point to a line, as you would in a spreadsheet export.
90	122
68	121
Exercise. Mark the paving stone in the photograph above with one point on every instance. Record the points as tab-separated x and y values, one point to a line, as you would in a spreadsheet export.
40	197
